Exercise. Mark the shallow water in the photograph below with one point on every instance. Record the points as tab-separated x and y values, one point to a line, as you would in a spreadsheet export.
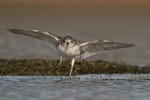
85	87
92	20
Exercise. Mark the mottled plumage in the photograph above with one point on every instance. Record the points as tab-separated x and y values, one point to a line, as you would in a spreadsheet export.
71	48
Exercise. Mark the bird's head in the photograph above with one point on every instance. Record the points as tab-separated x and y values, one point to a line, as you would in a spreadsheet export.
68	41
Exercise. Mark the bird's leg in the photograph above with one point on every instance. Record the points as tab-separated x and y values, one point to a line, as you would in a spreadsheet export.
72	64
60	62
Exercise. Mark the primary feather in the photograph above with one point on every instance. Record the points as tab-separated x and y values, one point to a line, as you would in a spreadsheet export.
92	48
48	37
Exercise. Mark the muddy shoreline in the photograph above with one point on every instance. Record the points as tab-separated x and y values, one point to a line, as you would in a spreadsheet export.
27	67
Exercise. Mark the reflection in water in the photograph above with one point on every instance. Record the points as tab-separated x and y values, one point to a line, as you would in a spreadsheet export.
81	87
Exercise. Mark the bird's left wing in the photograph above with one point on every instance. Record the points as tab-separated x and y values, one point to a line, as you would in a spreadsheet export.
94	47
47	37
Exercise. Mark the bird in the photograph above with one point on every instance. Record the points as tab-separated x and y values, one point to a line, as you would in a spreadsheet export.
71	48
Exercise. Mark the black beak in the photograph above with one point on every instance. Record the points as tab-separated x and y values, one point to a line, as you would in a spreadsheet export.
67	43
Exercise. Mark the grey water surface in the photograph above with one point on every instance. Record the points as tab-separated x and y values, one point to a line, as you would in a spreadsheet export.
127	22
114	21
82	87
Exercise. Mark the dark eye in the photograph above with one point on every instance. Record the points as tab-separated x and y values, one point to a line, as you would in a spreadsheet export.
63	41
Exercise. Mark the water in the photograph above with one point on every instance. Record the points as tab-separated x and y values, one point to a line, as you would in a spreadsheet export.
86	87
127	22
114	21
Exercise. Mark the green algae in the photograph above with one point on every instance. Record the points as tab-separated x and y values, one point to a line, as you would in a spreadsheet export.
50	67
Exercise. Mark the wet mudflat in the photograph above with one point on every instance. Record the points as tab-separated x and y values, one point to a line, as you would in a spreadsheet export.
113	21
84	87
31	67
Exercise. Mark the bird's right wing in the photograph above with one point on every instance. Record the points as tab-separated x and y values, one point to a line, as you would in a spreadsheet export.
47	37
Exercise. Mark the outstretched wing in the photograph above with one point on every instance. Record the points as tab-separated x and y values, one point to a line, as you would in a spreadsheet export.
47	37
92	48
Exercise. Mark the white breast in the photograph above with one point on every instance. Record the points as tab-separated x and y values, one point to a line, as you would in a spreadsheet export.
73	50
69	51
61	49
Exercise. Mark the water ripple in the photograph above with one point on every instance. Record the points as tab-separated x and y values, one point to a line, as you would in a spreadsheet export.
89	87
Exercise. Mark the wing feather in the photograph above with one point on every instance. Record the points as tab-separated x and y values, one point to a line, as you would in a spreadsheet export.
92	48
47	37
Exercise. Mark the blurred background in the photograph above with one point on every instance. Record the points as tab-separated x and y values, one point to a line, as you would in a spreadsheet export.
115	20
